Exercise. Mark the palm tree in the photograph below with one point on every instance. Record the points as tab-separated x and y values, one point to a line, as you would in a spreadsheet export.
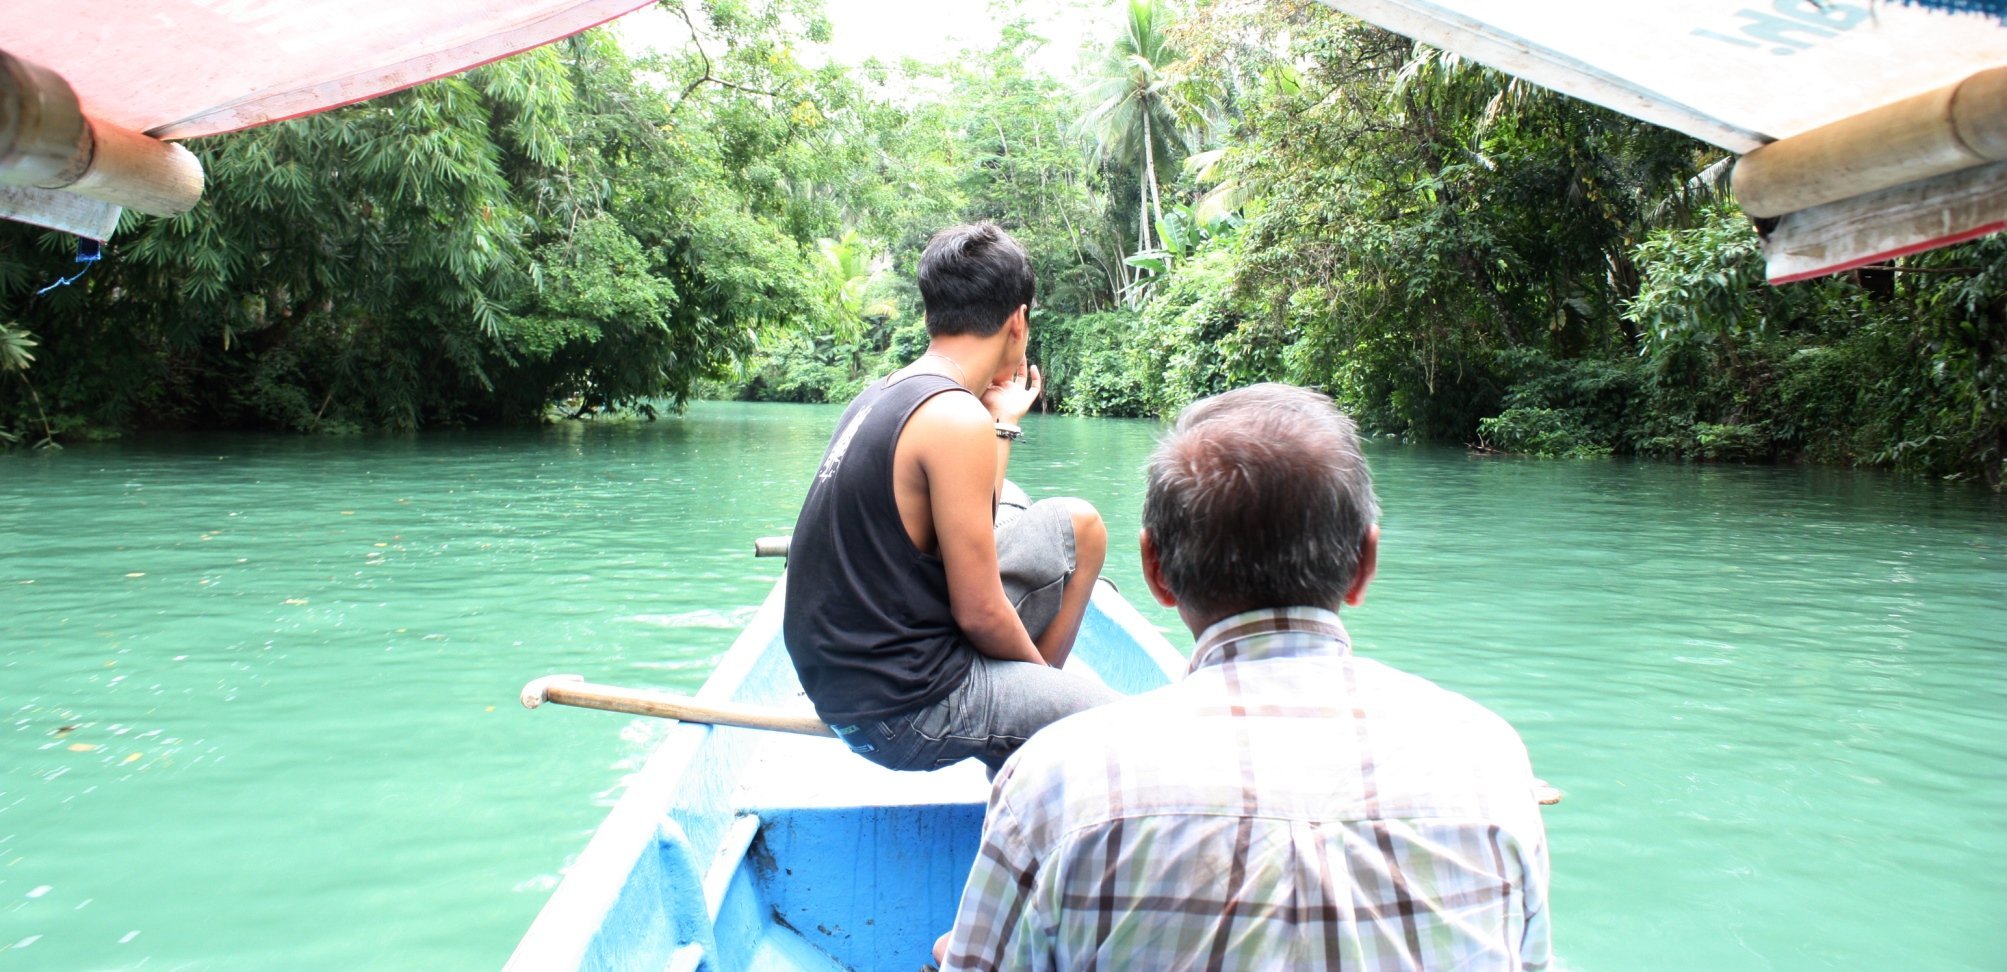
845	270
1146	112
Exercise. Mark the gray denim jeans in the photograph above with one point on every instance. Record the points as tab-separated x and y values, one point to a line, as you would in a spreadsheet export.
1001	703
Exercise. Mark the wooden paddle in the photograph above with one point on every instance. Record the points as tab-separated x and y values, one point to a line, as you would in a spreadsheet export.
575	690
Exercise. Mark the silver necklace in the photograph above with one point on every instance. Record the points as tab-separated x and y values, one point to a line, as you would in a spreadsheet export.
960	375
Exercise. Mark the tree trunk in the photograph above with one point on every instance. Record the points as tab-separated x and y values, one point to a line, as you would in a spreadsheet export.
1133	275
48	431
1143	216
1150	167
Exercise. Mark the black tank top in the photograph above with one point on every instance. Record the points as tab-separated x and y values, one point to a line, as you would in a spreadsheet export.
867	622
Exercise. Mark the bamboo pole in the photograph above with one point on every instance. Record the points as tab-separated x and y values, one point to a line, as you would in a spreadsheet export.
1955	127
574	690
48	142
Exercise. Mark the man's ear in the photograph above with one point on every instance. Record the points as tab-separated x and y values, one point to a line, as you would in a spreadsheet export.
1369	561
1020	323
1153	572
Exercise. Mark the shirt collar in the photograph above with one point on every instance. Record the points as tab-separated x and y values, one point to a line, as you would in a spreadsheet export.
1266	633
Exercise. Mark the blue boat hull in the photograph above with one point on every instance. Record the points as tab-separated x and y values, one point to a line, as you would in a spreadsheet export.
735	850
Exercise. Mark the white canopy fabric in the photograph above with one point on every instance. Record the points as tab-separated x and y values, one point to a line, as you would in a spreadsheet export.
182	68
1743	73
1736	73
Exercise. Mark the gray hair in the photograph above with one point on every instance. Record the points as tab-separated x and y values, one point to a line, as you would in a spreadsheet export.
1259	497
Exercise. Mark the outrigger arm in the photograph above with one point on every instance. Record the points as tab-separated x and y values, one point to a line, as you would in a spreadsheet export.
1919	173
62	169
1866	131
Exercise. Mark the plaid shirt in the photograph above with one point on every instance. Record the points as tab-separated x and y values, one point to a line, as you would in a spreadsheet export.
1286	806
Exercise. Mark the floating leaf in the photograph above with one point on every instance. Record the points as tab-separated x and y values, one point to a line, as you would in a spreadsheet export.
132	758
137	573
82	747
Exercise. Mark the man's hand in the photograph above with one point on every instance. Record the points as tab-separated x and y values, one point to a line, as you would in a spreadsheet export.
1009	401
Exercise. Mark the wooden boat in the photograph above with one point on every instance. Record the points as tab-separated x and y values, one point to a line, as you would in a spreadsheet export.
738	849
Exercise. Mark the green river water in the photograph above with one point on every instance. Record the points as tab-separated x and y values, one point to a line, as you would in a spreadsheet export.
259	693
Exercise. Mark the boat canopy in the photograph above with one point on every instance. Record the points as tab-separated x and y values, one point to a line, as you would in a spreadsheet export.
88	94
1867	130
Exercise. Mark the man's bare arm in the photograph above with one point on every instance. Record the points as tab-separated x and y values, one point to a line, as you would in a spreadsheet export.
955	444
997	481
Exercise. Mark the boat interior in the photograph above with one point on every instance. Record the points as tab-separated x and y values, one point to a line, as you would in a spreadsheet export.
738	850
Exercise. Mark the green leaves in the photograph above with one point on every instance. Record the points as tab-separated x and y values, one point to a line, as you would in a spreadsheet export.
546	227
1273	190
1700	285
1546	432
15	346
845	272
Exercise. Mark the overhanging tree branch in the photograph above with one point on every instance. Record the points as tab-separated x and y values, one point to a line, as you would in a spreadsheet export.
708	76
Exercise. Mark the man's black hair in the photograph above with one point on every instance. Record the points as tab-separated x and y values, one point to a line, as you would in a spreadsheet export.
971	278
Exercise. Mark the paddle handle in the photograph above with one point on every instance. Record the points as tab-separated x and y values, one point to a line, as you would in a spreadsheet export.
574	690
770	547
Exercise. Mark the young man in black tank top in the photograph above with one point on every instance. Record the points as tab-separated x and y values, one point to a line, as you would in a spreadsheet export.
929	606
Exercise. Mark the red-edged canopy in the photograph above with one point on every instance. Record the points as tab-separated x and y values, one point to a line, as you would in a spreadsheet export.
181	68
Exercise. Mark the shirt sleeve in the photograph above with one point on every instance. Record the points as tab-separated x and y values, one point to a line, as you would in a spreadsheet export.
1536	946
997	926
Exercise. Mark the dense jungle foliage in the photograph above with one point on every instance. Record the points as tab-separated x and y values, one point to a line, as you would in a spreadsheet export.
1221	193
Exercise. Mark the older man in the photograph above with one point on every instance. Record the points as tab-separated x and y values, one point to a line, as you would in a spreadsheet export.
1288	805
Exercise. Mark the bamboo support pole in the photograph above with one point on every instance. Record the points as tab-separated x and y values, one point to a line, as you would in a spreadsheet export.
48	142
1955	127
574	690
